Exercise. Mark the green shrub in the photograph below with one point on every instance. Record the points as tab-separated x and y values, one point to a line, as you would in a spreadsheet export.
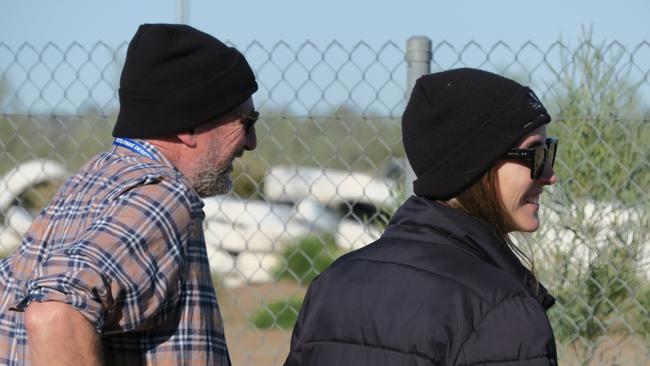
280	314
602	158
603	135
307	258
608	298
594	267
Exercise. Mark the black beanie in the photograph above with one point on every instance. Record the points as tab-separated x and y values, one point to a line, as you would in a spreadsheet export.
176	78
458	123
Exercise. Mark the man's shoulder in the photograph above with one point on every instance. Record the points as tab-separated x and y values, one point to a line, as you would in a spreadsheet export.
109	177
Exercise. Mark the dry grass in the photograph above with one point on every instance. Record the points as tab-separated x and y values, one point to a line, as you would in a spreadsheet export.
248	345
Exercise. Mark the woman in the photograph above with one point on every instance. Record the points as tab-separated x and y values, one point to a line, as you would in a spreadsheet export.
442	286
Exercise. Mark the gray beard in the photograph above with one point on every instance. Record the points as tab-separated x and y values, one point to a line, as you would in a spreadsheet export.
212	182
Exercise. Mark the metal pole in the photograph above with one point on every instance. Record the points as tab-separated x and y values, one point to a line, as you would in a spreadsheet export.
181	7
418	61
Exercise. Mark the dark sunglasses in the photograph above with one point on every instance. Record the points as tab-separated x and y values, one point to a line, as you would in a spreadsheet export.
536	157
249	119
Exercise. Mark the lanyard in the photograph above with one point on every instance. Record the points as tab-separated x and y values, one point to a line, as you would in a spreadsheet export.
134	146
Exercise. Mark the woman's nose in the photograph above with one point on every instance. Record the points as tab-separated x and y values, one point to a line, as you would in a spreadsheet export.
548	175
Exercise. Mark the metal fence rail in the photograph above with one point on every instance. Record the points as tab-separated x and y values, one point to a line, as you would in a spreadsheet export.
329	171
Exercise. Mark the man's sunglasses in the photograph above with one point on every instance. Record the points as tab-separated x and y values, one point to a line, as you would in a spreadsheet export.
536	157
249	119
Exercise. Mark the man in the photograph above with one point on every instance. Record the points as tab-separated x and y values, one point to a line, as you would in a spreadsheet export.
115	270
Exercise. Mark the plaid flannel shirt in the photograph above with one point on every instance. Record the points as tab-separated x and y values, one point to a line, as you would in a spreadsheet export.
122	242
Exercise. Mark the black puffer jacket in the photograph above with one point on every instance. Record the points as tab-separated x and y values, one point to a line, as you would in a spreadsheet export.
438	288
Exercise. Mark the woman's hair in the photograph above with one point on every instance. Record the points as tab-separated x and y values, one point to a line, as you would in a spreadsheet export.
483	201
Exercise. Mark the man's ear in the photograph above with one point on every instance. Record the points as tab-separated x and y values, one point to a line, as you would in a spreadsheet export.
187	138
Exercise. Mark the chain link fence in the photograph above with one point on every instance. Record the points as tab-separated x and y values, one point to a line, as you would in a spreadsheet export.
329	171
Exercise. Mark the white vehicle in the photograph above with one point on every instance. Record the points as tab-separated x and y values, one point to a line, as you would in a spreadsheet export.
238	225
244	237
357	197
330	187
15	220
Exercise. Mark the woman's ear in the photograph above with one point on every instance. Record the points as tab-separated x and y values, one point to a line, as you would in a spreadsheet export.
188	138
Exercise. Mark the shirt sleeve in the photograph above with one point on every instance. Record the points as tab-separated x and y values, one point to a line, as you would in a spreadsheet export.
125	271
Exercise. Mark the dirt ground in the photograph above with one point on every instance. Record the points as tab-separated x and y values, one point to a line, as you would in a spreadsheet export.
247	345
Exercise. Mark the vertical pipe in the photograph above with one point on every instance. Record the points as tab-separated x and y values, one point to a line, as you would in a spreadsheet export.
418	61
181	8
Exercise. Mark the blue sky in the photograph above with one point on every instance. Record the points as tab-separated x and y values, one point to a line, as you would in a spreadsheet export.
347	21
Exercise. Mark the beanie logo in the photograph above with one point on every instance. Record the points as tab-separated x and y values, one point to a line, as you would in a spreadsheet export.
533	101
538	121
536	105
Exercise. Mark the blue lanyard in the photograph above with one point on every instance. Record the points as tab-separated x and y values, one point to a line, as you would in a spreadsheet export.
134	146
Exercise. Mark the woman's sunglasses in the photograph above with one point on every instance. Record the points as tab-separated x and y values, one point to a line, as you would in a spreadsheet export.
536	157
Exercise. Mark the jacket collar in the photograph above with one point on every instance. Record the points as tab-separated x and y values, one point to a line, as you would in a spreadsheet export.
425	220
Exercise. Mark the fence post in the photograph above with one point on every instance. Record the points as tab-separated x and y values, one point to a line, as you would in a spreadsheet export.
418	63
181	11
